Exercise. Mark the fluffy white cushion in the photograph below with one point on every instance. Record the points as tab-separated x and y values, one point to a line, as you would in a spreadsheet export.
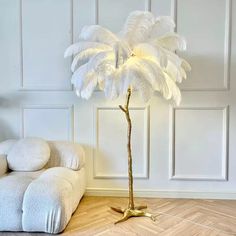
66	154
6	146
28	154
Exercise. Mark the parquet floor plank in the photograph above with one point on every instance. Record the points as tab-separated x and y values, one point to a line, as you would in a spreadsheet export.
174	217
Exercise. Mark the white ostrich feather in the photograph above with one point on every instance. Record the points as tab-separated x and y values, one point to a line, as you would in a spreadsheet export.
174	72
122	52
103	63
186	66
141	57
111	87
162	26
175	93
97	33
145	89
148	50
81	46
89	86
172	42
148	69
177	66
138	27
84	81
83	57
79	76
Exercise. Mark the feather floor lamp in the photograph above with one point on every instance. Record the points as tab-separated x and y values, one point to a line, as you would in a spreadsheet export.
141	57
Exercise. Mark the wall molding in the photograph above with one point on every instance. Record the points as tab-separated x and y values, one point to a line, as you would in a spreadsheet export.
225	167
148	5
153	193
96	12
146	111
69	108
227	46
22	86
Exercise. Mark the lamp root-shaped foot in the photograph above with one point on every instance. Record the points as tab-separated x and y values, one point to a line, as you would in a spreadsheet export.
136	212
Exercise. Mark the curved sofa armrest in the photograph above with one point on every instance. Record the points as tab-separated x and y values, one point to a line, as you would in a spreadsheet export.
3	164
51	199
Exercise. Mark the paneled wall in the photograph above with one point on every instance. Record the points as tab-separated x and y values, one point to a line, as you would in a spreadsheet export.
185	151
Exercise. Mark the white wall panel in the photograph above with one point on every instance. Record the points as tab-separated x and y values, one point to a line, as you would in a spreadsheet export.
10	66
160	7
199	148
114	18
80	20
48	121
9	122
110	139
46	32
206	26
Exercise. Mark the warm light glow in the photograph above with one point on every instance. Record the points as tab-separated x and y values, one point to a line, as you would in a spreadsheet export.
142	57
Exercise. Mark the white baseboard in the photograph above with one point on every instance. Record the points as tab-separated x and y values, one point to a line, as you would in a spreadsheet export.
160	194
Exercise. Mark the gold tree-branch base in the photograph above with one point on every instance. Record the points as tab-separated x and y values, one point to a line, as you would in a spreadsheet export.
129	212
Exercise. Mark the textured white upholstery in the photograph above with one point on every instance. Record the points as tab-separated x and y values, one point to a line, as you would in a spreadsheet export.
12	190
41	200
51	199
28	154
3	164
66	154
31	174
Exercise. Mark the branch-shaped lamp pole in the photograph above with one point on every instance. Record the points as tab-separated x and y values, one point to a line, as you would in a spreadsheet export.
130	166
131	210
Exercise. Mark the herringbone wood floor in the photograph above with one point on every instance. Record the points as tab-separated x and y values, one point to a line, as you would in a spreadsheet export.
175	217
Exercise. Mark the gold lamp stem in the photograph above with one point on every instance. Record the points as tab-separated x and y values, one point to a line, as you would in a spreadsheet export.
130	164
131	211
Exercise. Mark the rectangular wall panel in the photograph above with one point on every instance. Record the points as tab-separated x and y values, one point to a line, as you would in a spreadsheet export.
206	27
110	155
46	29
79	19
199	149
52	122
113	13
10	127
10	64
160	7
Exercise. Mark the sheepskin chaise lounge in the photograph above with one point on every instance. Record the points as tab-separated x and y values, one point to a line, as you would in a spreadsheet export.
41	184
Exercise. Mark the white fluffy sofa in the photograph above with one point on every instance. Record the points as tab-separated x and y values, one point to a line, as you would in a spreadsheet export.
41	184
